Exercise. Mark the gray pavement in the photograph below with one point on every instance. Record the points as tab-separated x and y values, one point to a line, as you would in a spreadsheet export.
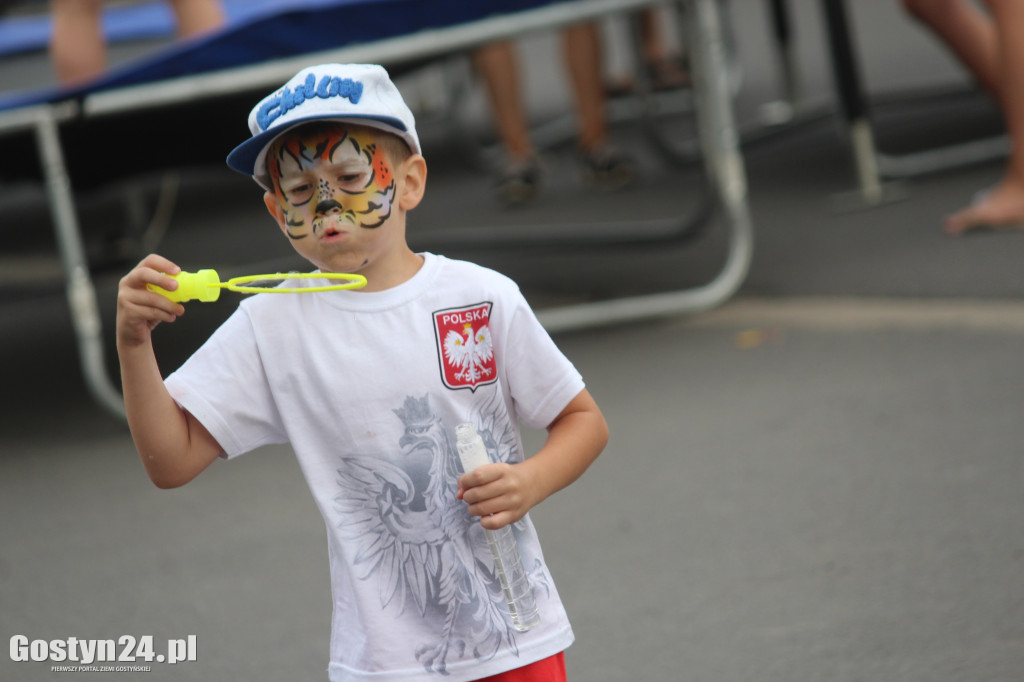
821	480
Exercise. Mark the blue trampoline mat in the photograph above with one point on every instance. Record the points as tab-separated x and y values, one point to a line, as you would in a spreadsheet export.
264	30
122	23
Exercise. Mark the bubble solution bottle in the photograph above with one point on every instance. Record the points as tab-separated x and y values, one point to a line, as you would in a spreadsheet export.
507	562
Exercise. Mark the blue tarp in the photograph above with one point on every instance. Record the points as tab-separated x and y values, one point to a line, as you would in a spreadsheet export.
123	23
203	131
270	29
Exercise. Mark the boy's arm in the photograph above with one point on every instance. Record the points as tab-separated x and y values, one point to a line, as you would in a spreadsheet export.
173	445
504	493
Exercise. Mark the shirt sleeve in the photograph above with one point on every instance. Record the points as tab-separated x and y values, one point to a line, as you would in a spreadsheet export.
542	380
224	385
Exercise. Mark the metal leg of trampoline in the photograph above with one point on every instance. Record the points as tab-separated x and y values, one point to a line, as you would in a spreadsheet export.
724	162
785	53
717	130
913	164
852	100
81	293
872	163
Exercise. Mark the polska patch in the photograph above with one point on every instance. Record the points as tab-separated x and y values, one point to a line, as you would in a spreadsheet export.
464	348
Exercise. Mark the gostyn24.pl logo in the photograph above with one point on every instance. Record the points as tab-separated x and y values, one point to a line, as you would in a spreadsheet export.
124	650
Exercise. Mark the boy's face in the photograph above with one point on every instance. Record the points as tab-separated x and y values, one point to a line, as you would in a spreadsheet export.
335	194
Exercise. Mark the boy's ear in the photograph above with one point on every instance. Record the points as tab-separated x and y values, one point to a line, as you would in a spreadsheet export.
274	207
413	172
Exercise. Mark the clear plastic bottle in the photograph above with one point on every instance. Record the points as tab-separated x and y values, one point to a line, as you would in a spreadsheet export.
507	562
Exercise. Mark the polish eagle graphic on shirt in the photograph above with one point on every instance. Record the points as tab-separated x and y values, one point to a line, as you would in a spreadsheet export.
415	538
469	352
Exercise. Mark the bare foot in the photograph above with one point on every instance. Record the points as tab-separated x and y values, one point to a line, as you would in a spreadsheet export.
1000	209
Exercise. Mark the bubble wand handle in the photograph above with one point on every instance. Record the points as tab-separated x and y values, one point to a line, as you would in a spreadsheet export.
205	285
508	564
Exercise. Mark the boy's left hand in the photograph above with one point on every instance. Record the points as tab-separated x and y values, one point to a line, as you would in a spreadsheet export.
499	493
502	493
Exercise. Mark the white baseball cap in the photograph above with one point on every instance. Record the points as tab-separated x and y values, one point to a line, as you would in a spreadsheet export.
354	93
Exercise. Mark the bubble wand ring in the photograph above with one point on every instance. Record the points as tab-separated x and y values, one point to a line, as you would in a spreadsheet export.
205	285
352	282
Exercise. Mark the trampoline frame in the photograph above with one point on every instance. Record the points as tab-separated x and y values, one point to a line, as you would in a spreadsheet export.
716	127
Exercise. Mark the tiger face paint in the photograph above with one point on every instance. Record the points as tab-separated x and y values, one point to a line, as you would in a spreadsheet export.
329	179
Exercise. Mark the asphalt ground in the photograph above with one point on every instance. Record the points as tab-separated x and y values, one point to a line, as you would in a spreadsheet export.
821	480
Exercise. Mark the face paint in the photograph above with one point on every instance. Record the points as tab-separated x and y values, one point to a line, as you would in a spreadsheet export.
331	176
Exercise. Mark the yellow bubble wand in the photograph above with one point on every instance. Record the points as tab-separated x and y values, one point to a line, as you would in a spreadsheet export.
205	285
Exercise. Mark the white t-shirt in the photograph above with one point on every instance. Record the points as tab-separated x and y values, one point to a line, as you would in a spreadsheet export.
368	388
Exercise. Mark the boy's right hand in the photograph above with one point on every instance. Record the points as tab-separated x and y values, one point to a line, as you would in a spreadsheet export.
139	310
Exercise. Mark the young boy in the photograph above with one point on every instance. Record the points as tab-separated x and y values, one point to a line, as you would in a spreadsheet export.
368	385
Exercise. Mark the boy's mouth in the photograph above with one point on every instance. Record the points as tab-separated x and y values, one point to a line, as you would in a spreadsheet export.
331	232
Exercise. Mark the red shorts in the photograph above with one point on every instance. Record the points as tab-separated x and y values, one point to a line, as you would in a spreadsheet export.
548	670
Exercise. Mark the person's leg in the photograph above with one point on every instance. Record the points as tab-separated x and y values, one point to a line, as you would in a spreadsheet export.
967	31
603	166
197	16
499	68
520	178
78	48
1003	206
581	48
667	70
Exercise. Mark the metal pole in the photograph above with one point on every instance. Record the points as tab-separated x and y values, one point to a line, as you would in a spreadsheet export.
782	31
81	294
725	168
852	100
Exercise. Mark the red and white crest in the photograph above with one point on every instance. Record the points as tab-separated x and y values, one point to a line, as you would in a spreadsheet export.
464	347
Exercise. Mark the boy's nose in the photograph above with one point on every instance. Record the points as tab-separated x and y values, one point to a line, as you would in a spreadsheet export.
327	206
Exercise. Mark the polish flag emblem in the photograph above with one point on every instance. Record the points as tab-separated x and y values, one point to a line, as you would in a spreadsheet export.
465	350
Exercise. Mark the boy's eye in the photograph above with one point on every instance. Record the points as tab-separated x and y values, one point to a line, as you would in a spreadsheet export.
352	179
299	193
